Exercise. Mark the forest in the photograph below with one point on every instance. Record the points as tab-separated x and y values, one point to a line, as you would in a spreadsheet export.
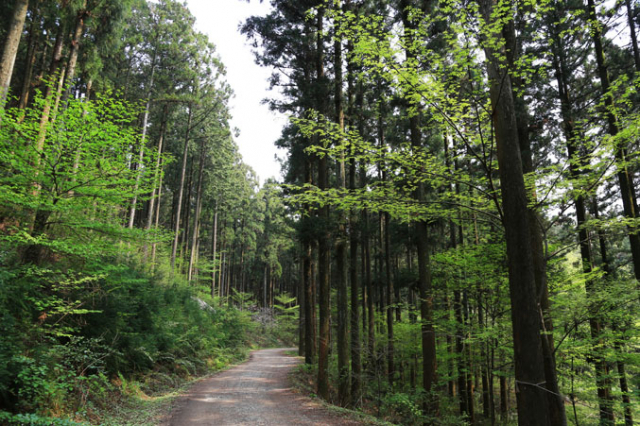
455	238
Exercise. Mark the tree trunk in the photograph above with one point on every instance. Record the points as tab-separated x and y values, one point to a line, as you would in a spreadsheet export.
56	60
145	122
186	204
324	287
157	221
183	172
34	39
356	356
632	32
556	402
429	364
157	171
576	170
73	53
11	44
302	303
624	177
196	216
389	300
214	246
622	375
221	275
533	404
341	242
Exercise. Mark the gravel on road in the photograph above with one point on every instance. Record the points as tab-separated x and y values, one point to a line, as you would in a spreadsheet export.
254	393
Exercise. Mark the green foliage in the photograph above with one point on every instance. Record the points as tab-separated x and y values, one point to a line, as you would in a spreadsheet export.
88	316
406	408
61	182
75	308
33	420
287	319
133	325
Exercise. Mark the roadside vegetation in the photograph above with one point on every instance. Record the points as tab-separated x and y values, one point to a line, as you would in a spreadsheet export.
131	231
456	240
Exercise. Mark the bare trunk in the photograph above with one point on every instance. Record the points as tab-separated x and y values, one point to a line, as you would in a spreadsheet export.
341	243
34	39
622	375
429	362
157	222
356	356
157	170
634	37
73	53
302	303
324	286
556	402
56	59
214	246
185	151
576	170
196	217
145	123
186	204
533	404
11	44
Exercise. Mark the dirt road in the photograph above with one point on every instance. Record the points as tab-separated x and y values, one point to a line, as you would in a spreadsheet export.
254	393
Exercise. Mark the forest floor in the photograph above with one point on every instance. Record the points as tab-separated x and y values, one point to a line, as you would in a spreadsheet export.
257	392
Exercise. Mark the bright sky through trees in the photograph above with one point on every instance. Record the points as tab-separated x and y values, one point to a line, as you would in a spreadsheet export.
258	126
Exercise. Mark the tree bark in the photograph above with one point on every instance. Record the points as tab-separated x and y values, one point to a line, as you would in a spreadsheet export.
622	375
74	51
11	44
34	39
145	123
54	68
532	402
356	356
196	216
157	170
214	247
556	402
183	172
324	286
429	363
632	32
341	241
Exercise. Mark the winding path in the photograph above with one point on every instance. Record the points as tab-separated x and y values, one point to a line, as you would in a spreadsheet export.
254	393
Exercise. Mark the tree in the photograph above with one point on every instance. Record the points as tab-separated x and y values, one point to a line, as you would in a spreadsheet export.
11	44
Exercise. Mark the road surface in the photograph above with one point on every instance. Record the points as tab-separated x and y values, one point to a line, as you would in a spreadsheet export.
254	393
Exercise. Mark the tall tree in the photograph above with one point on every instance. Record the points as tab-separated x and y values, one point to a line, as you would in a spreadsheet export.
11	44
533	406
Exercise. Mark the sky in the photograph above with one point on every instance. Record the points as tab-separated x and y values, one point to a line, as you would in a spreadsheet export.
259	127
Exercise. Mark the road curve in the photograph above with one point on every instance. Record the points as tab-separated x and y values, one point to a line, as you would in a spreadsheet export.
254	393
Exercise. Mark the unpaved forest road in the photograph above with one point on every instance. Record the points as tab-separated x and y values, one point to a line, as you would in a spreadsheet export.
254	393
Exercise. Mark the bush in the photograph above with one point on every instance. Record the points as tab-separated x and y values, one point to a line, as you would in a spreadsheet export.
128	324
9	419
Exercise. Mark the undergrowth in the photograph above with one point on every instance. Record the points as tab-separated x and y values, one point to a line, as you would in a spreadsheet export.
108	345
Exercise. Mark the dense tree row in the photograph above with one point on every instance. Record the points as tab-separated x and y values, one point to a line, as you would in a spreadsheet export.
463	175
118	169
